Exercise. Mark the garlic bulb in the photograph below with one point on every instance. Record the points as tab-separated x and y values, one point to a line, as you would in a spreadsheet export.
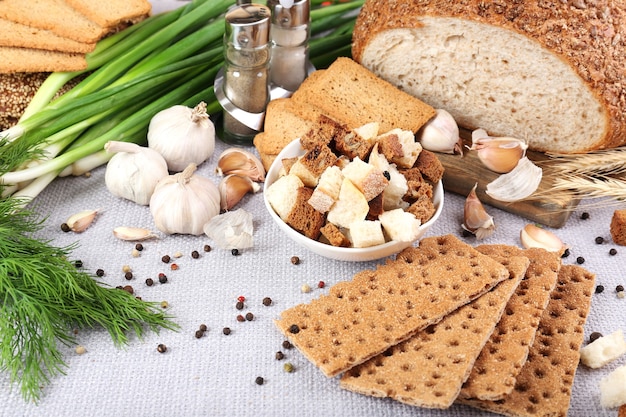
475	217
240	162
441	134
134	171
533	236
184	202
231	230
182	135
517	184
499	154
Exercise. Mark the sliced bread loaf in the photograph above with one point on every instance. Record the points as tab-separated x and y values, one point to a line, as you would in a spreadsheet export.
548	72
111	13
14	60
24	36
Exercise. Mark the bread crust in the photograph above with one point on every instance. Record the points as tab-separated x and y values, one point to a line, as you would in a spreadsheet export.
589	36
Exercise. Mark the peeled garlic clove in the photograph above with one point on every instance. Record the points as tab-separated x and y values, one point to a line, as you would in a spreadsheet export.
517	184
232	189
500	155
132	233
475	217
80	221
533	236
240	162
441	134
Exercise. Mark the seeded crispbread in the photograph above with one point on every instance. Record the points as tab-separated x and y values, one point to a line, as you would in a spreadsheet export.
428	370
23	36
53	15
544	385
379	308
112	12
14	60
505	353
339	93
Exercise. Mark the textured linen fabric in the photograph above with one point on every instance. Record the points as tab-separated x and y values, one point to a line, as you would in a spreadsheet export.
215	375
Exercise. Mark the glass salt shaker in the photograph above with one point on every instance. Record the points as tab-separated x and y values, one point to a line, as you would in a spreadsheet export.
245	72
289	36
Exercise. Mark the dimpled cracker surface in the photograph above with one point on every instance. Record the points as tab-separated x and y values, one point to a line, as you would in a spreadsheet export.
544	385
379	308
501	360
428	370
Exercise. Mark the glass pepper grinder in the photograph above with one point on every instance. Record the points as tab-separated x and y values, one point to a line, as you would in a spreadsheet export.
245	72
289	34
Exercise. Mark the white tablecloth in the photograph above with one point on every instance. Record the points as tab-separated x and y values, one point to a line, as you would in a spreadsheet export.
215	375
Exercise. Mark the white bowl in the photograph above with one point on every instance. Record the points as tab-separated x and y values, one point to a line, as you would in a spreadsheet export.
334	252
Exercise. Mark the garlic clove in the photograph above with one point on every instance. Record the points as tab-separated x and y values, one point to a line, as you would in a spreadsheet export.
133	233
500	155
79	222
241	162
533	236
517	184
231	230
232	189
441	134
476	220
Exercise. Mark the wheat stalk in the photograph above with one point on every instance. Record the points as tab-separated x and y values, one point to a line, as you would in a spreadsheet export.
607	162
591	187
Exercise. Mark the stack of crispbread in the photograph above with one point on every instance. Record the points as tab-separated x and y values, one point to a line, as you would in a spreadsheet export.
54	35
495	327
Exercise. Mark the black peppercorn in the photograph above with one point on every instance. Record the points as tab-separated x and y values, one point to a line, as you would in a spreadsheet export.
65	228
287	344
594	336
613	252
234	252
279	356
249	316
195	254
294	329
166	259
78	264
599	289
267	301
128	275
580	260
203	327
199	334
100	272
259	380
239	305
619	288
584	216
139	247
162	278
128	289
295	260
226	330
149	282
161	348
207	248
599	240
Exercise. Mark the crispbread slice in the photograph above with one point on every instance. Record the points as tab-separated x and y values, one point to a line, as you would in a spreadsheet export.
23	36
112	12
501	360
53	15
429	369
544	385
13	60
379	308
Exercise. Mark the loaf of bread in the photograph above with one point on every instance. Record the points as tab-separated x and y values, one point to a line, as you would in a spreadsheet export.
551	73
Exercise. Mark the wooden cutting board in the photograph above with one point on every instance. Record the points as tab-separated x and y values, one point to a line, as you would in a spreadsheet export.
549	209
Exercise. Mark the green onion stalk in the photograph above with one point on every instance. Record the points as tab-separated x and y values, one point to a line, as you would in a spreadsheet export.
167	59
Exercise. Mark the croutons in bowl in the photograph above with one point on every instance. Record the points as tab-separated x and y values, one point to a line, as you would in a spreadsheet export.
322	230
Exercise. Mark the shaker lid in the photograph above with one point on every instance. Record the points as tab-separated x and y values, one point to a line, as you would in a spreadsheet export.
248	25
296	15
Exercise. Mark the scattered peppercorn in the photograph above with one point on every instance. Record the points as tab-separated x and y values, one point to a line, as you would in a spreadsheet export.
78	264
240	318
128	289
65	228
239	305
241	298
234	252
584	216
178	254
295	260
288	367
207	248
135	253
174	267
599	240
100	272
599	289
161	348
267	301
621	294
80	350
279	356
166	259
594	336
149	282
203	327
613	252
566	253
128	275
162	278
249	316
195	254
321	284
287	344
164	304
294	329
199	334
139	247
305	288
580	260
226	330
259	380
619	288
126	268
